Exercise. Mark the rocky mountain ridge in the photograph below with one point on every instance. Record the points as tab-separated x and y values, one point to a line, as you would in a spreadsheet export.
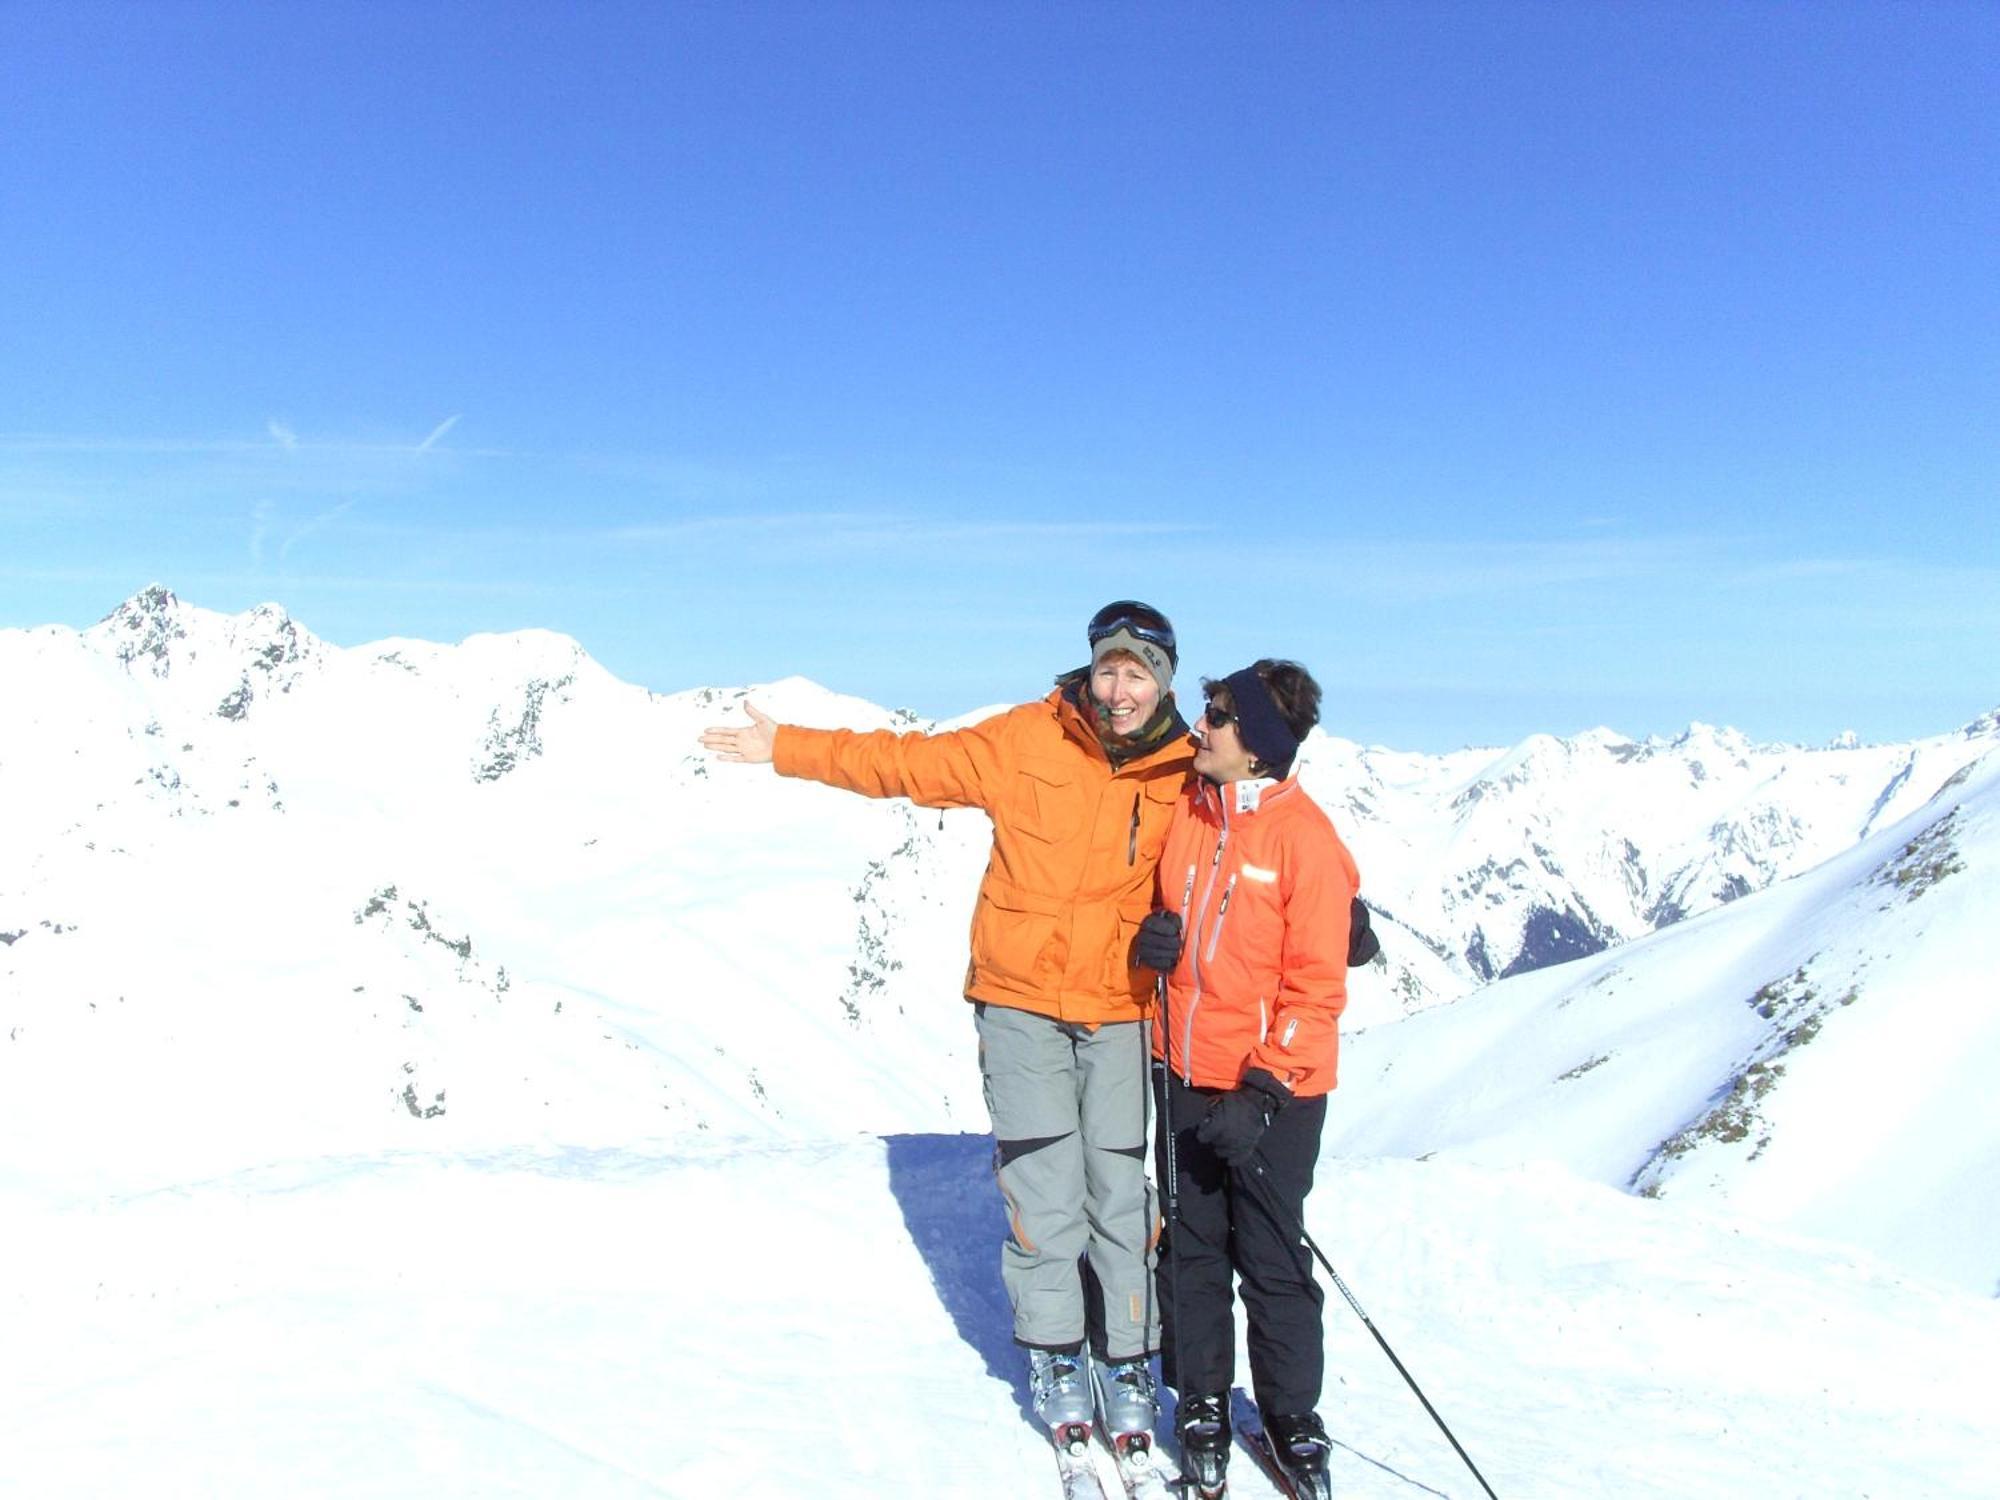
1481	864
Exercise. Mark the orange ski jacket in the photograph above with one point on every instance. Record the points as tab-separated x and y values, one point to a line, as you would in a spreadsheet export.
1075	842
1264	888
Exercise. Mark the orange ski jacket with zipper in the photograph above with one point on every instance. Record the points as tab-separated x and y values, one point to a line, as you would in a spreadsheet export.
1075	842
1264	888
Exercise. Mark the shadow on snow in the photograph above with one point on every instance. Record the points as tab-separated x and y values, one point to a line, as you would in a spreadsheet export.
944	1186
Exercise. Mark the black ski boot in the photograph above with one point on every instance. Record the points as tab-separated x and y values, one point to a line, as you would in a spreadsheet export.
1299	1445
1202	1425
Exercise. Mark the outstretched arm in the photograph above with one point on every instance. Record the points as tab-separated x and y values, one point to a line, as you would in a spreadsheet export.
749	746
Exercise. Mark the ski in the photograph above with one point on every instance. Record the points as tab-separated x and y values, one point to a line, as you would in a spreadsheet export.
1127	1408
1142	1469
1080	1479
1267	1460
1250	1429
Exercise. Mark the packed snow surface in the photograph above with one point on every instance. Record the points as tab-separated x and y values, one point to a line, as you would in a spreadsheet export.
751	1318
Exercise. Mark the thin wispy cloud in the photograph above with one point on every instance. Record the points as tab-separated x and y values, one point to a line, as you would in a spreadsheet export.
282	435
438	432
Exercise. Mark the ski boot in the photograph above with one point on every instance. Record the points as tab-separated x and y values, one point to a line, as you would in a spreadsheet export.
1202	1425
1127	1407
1300	1448
1060	1390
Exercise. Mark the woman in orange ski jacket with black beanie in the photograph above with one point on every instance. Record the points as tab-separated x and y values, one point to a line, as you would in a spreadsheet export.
1081	786
1260	886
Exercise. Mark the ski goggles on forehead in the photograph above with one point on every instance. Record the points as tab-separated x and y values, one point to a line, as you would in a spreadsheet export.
1142	620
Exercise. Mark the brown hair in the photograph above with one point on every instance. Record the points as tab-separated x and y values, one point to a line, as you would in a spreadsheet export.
1293	694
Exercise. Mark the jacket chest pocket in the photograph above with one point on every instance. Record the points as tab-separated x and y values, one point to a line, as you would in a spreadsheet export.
1047	803
1153	813
1249	925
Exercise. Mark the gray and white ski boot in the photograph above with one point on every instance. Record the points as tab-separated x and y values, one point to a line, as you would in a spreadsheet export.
1127	1406
1060	1388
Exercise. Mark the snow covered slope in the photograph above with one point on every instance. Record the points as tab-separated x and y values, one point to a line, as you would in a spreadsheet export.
1820	1055
273	898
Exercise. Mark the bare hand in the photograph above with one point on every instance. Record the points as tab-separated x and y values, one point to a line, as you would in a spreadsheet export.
749	747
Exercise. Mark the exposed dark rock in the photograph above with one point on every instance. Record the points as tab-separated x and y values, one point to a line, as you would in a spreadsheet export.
1928	858
1734	1112
507	747
1665	912
1476	956
422	1111
1554	937
149	629
1584	1067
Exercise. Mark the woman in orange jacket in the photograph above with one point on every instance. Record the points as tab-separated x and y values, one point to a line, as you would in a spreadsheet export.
1080	786
1260	886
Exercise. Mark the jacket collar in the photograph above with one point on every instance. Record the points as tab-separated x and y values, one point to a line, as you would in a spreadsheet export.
1243	799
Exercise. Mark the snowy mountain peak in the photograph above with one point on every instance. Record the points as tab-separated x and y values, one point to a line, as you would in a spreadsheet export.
1708	737
1986	726
1605	739
141	632
537	650
157	634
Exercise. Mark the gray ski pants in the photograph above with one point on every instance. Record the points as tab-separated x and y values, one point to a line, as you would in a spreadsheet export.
1069	1108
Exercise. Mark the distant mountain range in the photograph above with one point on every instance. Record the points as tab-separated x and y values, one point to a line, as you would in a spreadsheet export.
261	896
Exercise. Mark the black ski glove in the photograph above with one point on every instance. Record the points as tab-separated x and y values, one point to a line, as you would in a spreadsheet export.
1362	944
1157	943
1237	1120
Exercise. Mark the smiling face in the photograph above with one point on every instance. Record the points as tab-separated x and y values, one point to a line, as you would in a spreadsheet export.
1220	753
1125	690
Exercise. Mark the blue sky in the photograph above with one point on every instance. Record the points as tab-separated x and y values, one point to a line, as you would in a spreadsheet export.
1518	367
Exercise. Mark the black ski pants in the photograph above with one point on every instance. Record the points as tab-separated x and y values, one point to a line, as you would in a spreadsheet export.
1224	1231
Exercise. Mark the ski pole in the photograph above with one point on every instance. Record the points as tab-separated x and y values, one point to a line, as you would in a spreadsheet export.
1292	1224
1173	1172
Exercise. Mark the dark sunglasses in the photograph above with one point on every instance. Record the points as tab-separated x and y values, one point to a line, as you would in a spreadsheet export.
1217	717
1145	623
